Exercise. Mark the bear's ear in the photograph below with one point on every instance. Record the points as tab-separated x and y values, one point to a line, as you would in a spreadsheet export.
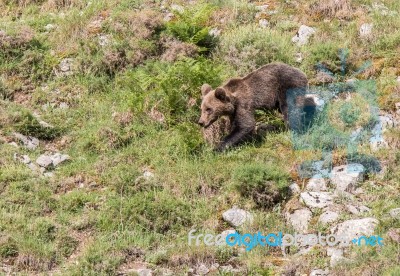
205	88
221	95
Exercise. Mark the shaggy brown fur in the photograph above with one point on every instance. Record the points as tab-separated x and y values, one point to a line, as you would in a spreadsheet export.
264	88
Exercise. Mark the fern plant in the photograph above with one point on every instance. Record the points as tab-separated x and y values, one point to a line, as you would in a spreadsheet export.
191	26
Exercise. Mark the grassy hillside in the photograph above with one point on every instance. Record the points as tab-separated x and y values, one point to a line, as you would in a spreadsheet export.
115	85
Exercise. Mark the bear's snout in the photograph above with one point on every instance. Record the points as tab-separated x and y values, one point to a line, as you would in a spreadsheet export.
201	123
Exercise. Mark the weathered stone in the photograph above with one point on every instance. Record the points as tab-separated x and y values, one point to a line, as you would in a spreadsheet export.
29	142
353	229
202	269
236	217
357	210
319	272
395	213
303	35
328	217
44	161
316	184
299	219
336	255
294	188
317	199
366	30
58	158
347	177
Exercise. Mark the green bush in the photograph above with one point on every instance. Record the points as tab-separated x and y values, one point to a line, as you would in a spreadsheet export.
265	184
249	47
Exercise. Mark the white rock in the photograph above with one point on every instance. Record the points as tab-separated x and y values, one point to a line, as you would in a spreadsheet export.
64	105
202	269
29	142
317	199
319	272
44	161
215	32
148	175
66	67
303	34
352	229
299	219
397	105
22	158
294	188
336	255
262	8
104	40
263	23
357	210
316	184
49	27
299	57
395	213
144	272
177	8
237	217
58	158
347	177
366	29
328	217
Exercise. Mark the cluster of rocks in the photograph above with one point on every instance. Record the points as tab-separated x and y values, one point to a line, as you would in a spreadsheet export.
44	163
330	198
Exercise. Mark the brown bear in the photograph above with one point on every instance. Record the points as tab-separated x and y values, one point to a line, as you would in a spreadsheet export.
264	88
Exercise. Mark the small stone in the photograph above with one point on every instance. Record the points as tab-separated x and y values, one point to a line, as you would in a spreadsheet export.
237	217
22	158
394	234
319	272
347	177
177	8
29	142
263	23
316	184
317	199
397	105
357	210
202	269
49	27
366	30
303	35
144	272
299	57
48	174
148	175
300	219
352	229
294	188
65	68
104	40
58	158
44	161
44	124
262	8
215	32
336	255
395	213
328	217
64	105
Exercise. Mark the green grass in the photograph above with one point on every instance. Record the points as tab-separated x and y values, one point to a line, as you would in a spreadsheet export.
130	112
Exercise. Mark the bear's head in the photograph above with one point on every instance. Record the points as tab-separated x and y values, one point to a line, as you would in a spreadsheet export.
215	103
